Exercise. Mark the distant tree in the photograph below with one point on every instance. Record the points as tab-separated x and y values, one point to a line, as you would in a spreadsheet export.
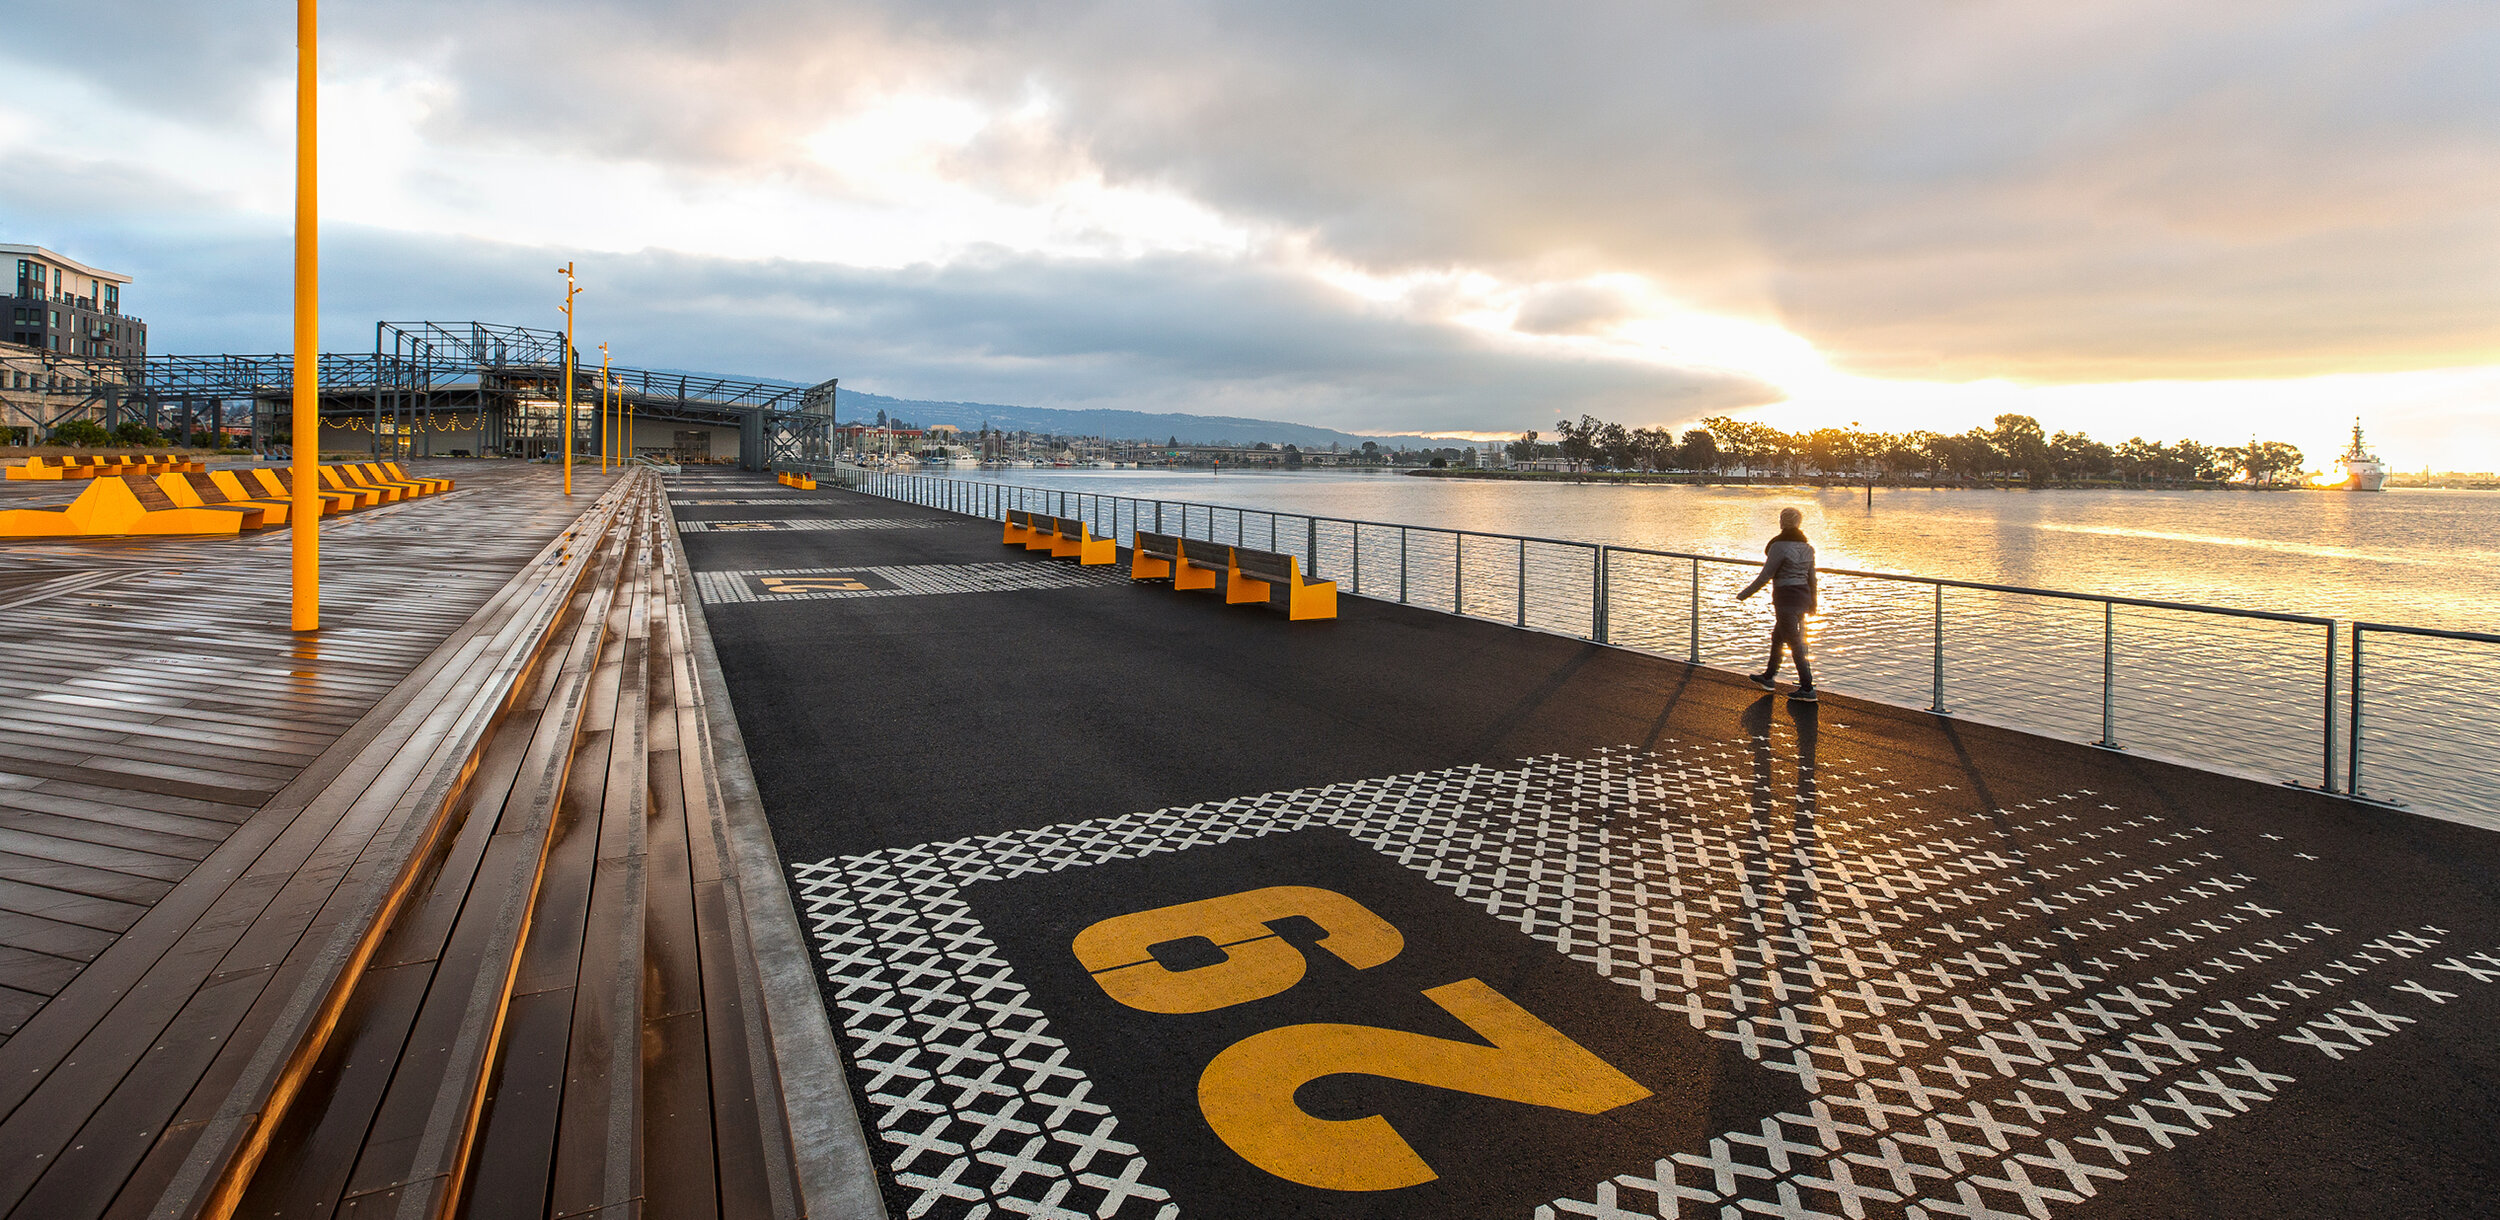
1614	445
1579	441
881	417
1832	450
1371	451
1440	463
1904	453
1699	451
1523	449
2139	460
1972	454
2196	460
1754	446
137	434
2076	456
1652	448
2263	461
2022	446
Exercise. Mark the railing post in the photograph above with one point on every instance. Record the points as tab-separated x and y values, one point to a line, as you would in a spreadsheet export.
1311	545
2328	784
2352	741
1597	601
1458	573
1401	565
1523	582
1694	656
1936	705
1357	590
2109	672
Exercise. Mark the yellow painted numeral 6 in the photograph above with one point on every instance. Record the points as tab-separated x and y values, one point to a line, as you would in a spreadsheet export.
1258	963
1247	1092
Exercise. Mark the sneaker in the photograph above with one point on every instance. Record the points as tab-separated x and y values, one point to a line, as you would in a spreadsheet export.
1764	681
1803	694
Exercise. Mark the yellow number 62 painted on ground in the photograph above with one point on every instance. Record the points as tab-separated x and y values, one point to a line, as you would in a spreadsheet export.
1247	1092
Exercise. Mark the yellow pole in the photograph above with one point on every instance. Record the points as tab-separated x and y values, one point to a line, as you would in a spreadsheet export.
607	429
570	291
306	515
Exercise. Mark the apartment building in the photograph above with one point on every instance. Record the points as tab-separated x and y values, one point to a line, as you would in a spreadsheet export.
63	306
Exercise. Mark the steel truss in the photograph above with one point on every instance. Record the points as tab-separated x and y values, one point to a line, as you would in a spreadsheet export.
510	377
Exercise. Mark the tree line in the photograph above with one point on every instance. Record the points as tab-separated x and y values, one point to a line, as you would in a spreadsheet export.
2016	447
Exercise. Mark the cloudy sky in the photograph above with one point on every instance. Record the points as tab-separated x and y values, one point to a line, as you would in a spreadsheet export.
2127	217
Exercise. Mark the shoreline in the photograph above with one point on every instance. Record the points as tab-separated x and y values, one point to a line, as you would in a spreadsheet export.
1846	484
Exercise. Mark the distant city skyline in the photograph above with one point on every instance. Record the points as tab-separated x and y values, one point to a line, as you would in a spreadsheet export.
2126	219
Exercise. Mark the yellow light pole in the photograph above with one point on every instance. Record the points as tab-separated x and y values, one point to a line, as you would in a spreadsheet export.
570	291
306	514
607	428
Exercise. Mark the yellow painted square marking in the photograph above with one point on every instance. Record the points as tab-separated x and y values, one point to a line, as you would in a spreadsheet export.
811	584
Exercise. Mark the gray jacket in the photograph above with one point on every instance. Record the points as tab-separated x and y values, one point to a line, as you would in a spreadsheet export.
1789	564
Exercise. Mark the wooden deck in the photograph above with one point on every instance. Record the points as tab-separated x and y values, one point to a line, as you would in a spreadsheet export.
153	698
452	909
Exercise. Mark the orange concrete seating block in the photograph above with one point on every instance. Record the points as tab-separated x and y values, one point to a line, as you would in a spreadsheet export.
372	472
348	478
278	483
437	484
1019	527
114	504
332	480
237	489
43	468
201	490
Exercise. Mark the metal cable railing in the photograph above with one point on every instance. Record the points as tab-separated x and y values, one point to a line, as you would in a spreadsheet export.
2248	691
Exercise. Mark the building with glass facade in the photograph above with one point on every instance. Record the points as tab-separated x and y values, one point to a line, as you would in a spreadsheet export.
63	306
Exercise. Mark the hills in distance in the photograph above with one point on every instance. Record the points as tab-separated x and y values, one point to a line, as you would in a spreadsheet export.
853	406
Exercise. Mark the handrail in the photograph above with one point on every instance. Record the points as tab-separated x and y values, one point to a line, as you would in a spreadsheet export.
1464	563
2476	637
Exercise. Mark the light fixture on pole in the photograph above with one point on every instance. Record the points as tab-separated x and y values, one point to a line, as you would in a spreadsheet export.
571	290
306	514
607	430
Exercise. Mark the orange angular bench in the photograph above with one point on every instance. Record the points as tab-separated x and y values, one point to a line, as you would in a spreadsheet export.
116	504
434	484
370	474
278	484
202	490
346	478
39	467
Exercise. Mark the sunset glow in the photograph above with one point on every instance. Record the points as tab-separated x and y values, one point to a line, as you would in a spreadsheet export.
999	210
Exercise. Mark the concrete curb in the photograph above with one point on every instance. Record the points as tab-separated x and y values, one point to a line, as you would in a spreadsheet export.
837	1178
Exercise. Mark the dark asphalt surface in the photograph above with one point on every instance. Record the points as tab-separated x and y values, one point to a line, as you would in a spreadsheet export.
2210	997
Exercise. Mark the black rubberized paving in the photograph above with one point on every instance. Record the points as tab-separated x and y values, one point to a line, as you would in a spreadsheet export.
1130	901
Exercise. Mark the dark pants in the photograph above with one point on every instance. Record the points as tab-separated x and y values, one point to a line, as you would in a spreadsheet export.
1790	604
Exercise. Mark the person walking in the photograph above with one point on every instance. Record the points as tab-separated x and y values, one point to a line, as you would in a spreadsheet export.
1788	567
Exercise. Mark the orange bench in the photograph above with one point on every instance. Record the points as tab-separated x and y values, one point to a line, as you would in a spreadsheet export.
133	504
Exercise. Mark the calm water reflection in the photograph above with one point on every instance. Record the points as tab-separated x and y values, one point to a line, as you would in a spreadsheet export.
2428	558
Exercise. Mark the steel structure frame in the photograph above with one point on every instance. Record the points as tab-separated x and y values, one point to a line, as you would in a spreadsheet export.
501	372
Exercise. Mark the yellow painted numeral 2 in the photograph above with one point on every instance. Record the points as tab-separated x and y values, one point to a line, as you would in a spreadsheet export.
1247	1092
